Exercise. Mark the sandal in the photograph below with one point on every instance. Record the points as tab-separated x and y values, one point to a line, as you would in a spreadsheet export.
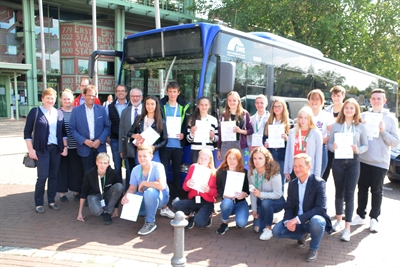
39	209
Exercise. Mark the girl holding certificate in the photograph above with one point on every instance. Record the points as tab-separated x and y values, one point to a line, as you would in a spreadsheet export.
258	122
202	130
279	115
304	138
234	126
346	170
150	117
232	168
148	180
265	190
200	183
323	120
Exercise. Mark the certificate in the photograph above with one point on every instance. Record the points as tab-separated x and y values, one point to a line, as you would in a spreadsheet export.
173	127
372	121
202	134
227	133
256	139
344	141
130	210
200	176
234	183
275	139
150	136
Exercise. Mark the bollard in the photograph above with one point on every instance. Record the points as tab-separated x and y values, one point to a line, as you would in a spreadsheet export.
12	113
179	223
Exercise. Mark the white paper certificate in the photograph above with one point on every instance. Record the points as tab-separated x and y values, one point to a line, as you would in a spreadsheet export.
227	133
372	121
256	139
344	141
130	210
150	136
202	134
275	139
200	176
173	126
234	183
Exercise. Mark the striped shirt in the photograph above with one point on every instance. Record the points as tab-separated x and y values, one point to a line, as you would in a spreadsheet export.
71	140
210	144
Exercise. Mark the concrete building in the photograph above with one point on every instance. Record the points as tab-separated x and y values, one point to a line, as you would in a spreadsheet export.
68	36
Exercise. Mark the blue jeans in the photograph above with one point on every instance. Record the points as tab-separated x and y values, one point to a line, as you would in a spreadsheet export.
240	209
345	175
111	197
153	200
266	209
118	160
203	210
324	160
47	168
315	226
275	155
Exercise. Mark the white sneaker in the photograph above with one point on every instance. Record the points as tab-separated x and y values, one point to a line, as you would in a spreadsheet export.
345	235
338	226
358	220
266	235
175	200
373	226
167	213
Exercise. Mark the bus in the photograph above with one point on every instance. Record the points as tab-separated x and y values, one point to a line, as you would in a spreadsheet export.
211	60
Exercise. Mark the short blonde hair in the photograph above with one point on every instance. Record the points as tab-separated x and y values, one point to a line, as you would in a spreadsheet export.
104	156
49	91
304	156
317	92
145	148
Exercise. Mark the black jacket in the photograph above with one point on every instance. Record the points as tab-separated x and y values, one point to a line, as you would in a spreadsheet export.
160	143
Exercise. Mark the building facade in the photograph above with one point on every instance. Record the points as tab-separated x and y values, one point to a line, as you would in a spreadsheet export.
68	34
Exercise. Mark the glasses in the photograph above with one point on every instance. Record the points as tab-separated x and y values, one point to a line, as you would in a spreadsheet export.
136	96
277	107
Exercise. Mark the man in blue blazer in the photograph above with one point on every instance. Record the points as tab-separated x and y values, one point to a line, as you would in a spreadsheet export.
90	127
305	210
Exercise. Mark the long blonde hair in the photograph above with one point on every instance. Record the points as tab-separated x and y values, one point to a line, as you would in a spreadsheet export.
308	111
285	116
357	116
239	111
209	153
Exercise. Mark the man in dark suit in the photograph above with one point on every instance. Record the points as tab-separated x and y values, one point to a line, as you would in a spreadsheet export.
126	149
90	127
305	210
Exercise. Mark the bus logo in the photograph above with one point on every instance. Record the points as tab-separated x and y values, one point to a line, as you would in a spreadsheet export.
236	48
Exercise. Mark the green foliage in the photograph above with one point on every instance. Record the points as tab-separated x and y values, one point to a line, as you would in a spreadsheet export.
361	33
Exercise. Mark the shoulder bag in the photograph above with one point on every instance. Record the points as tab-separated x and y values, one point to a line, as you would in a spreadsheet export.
27	161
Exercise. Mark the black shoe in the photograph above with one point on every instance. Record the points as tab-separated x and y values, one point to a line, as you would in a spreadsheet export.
191	223
86	203
107	218
302	242
209	223
312	255
222	229
64	199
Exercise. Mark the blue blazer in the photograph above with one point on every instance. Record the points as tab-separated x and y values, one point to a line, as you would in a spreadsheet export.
314	201
79	128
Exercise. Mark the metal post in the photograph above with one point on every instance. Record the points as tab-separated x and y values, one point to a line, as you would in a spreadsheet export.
94	27
42	46
179	223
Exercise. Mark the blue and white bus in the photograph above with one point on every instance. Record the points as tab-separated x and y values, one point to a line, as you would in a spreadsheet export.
211	60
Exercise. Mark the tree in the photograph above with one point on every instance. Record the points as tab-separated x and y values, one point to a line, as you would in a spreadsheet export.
361	33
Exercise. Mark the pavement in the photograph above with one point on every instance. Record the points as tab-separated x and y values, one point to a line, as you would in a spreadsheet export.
56	238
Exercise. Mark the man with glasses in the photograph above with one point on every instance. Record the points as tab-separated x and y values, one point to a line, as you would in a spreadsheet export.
80	99
126	149
90	127
114	110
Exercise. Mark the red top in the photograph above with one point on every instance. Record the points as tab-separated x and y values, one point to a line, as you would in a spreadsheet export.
77	101
300	146
212	183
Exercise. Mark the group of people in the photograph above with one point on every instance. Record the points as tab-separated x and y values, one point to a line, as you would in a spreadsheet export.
70	147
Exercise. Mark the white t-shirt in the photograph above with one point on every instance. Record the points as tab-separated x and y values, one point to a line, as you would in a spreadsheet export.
323	120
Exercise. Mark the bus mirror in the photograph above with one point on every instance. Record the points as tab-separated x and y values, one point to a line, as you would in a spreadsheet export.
226	76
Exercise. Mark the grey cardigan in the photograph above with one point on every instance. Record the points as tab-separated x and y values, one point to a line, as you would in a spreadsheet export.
271	189
313	149
360	136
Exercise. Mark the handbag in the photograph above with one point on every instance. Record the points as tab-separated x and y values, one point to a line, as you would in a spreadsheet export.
27	161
